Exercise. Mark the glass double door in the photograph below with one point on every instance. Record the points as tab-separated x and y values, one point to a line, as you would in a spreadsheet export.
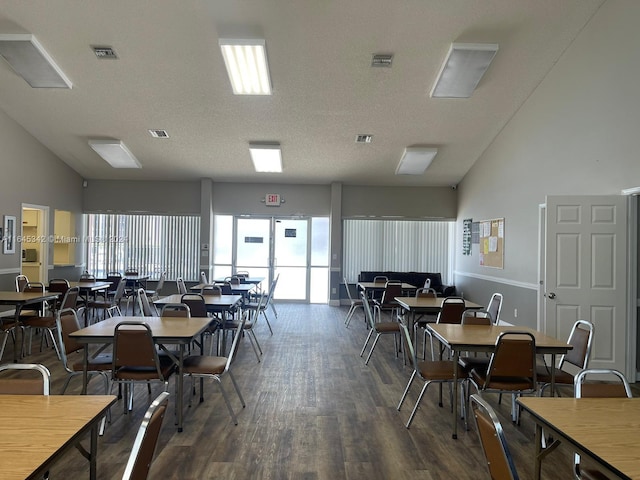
268	247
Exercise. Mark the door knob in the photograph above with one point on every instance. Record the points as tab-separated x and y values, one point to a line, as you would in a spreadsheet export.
551	295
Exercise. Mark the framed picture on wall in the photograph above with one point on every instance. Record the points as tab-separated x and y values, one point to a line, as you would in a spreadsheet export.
9	239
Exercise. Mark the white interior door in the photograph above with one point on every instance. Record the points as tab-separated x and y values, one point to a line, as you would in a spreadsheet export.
586	273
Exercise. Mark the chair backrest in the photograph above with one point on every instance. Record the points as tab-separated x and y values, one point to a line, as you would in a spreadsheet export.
242	273
272	289
114	278
60	285
203	278
25	384
368	313
392	289
176	310
495	306
407	343
196	304
494	444
346	287
133	346
182	288
146	440
226	288
87	277
426	293
213	290
380	279
615	385
451	310
119	293
514	357
581	338
21	282
161	280
35	287
236	340
235	280
427	283
143	303
132	272
67	323
476	317
70	298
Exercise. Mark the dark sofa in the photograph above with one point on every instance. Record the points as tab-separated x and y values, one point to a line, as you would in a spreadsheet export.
413	278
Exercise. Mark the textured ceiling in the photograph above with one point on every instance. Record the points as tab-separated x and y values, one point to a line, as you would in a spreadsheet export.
170	75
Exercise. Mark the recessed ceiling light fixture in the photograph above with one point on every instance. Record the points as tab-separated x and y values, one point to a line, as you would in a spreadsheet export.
463	68
415	160
381	60
105	53
115	153
246	62
159	133
266	157
30	60
364	138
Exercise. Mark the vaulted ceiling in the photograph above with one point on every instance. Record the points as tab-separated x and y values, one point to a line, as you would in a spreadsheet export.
170	75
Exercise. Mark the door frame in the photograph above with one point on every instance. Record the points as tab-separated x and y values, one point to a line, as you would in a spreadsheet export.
45	234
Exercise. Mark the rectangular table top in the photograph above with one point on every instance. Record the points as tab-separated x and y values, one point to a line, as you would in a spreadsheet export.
483	337
254	280
604	428
90	285
242	288
381	286
221	301
428	303
164	329
17	298
34	429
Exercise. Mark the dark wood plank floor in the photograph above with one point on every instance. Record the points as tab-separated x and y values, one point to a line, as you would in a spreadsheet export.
314	411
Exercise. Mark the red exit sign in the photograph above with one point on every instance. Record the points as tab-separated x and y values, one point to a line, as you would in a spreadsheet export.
272	200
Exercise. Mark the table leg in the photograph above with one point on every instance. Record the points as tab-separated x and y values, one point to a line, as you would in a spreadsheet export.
180	386
85	366
18	326
93	451
553	374
538	455
456	357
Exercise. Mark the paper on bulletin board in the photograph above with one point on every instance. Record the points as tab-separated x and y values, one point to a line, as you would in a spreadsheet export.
492	243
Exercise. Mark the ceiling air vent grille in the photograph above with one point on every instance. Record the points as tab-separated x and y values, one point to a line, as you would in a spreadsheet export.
363	138
104	53
159	133
381	60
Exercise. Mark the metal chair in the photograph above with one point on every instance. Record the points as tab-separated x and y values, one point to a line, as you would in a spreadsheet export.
380	328
21	282
512	368
495	306
25	384
203	278
430	371
450	312
136	359
143	302
110	306
144	445
615	385
181	310
216	367
354	304
494	443
475	317
155	294
182	288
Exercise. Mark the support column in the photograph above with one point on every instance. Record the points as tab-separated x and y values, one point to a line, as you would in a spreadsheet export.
206	227
335	249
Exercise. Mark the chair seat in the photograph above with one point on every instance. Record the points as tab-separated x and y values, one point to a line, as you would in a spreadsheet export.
40	322
204	365
386	327
439	370
561	377
515	384
144	373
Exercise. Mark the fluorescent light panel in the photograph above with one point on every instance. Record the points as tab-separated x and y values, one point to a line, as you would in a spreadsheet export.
266	158
30	60
463	68
246	62
115	153
415	160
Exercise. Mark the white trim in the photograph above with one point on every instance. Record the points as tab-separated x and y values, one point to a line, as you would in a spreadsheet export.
505	281
8	271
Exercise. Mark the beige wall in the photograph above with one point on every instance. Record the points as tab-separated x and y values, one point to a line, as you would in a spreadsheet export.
32	174
577	134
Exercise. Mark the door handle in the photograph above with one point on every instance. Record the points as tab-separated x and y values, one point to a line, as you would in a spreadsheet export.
550	295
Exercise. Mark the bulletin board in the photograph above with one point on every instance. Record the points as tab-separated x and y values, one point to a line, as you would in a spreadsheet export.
492	243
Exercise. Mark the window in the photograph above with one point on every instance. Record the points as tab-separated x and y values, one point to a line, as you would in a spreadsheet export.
398	246
149	243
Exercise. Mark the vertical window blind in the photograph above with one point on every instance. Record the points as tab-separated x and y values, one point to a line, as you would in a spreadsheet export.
149	243
399	246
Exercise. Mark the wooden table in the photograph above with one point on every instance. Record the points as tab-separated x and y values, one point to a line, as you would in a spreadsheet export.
242	289
214	303
36	429
482	338
605	429
19	300
166	331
